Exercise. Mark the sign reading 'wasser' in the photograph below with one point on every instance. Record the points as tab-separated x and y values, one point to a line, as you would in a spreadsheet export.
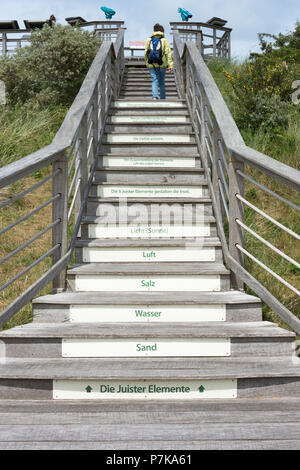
155	390
141	314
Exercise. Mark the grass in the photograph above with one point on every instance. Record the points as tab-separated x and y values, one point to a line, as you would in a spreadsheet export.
284	147
24	132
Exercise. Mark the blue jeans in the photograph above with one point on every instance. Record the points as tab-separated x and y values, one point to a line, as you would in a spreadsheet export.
158	82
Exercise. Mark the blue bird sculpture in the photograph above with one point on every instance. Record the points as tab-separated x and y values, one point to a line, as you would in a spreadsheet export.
109	13
185	15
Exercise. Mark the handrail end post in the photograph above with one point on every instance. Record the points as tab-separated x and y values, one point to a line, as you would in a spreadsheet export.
60	212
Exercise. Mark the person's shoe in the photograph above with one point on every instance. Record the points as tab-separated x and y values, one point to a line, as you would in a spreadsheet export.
154	99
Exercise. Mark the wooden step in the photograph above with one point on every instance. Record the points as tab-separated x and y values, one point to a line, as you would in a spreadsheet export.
155	129
146	82
44	438
116	277
119	175
188	162
142	120
252	410
99	228
153	368
145	94
149	378
108	190
167	250
178	210
149	138
141	112
240	418
148	340
196	306
146	104
150	149
196	202
140	90
170	99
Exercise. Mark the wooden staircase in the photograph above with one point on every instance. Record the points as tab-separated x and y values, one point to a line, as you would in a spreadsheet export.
149	348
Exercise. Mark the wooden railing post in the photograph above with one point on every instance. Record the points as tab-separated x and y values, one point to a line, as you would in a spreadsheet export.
102	95
204	135
236	211
215	43
4	44
114	77
83	172
228	49
216	158
95	131
60	211
190	85
199	41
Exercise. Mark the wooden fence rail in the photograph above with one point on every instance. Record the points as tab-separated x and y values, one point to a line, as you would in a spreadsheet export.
71	161
225	158
211	40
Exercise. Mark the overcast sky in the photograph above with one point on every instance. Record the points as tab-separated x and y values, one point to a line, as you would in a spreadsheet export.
245	17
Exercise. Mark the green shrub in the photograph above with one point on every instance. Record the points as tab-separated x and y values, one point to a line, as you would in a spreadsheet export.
260	90
284	46
52	68
262	94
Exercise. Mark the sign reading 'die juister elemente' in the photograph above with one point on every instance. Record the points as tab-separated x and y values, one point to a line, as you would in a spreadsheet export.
161	389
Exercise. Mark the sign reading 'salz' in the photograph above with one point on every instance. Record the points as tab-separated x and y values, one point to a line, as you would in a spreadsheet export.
296	94
2	93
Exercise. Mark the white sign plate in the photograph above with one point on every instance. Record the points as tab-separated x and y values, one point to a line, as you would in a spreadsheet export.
201	283
149	104
144	389
151	255
148	231
149	119
145	138
155	162
146	314
150	191
142	347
